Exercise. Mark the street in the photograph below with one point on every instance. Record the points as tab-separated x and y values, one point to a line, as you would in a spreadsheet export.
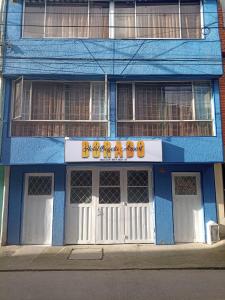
110	285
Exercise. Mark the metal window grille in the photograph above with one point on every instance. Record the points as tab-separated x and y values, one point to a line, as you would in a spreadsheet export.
39	185
185	185
81	187
137	187
109	187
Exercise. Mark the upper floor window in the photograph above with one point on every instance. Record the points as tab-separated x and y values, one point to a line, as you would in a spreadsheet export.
164	109
112	19
60	109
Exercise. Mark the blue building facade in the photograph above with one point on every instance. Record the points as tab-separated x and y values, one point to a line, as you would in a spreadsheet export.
110	83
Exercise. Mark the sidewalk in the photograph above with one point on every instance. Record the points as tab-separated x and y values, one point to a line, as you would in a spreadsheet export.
113	257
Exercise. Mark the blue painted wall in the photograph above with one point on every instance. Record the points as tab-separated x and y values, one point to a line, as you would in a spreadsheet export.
164	202
112	57
16	202
162	199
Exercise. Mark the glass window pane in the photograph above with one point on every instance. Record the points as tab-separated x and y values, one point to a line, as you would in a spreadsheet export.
77	101
99	103
138	195
109	195
34	19
109	178
202	94
148	102
158	20
25	115
81	178
190	19
185	185
178	102
99	20
47	101
39	185
67	19
124	20
18	98
124	102
81	195
137	178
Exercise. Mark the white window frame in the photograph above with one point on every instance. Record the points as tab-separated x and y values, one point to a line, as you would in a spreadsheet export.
90	120
111	28
212	120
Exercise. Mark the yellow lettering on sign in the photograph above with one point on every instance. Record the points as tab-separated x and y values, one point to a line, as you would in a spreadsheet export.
130	149
96	150
118	150
140	149
85	149
107	150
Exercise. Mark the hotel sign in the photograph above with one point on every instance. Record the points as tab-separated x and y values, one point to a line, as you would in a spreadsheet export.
128	151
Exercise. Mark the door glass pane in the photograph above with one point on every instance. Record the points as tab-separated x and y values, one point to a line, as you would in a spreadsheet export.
39	185
109	187
81	187
185	185
137	187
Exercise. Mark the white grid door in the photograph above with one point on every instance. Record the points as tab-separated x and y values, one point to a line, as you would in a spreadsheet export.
187	208
38	209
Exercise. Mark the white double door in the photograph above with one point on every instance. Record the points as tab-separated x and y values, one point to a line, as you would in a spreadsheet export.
107	206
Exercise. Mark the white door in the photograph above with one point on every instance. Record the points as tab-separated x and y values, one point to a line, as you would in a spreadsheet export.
80	218
139	217
110	208
187	208
38	209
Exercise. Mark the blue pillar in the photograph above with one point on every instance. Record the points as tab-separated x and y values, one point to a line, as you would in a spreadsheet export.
163	206
113	114
59	207
15	206
209	194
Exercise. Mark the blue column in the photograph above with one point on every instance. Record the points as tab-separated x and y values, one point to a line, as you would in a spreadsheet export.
163	206
59	207
112	101
15	206
209	194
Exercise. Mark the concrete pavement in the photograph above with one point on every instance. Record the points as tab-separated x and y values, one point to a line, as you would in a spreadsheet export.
114	285
115	257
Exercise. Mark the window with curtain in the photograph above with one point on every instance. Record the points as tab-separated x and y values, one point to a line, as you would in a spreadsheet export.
164	109
60	109
112	19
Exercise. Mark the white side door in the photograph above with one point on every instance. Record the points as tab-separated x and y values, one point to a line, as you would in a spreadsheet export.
187	207
38	209
80	219
139	216
109	207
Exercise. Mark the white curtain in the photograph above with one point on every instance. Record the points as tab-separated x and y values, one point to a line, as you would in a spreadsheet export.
124	101
190	20
99	20
34	20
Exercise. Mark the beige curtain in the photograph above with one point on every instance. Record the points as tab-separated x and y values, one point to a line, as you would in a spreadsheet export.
190	20
99	20
124	20
158	20
67	20
124	101
34	20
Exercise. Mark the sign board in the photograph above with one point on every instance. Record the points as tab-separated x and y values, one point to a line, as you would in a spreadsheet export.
128	151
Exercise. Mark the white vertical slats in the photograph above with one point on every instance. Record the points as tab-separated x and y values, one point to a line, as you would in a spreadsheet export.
109	225
138	227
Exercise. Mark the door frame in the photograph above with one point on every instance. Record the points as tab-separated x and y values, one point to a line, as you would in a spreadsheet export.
24	200
95	186
199	186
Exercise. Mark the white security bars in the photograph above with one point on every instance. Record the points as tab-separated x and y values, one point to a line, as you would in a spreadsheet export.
112	19
164	109
59	109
